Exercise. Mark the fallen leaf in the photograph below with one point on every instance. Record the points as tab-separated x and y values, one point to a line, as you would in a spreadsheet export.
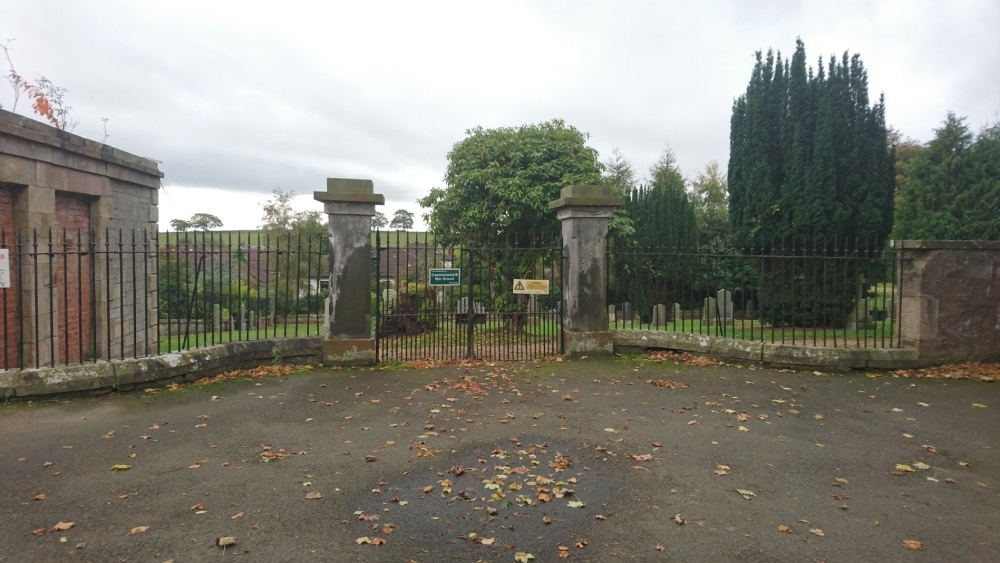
120	467
902	467
784	529
363	540
744	429
487	541
921	465
679	519
546	520
964	464
378	541
721	470
745	493
923	404
818	416
139	530
979	405
63	526
237	515
817	531
576	504
522	557
642	457
38	531
40	497
313	495
840	480
913	544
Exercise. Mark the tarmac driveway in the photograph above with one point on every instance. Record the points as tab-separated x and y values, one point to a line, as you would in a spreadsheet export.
597	460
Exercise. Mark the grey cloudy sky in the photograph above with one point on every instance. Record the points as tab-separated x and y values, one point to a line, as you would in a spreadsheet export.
237	98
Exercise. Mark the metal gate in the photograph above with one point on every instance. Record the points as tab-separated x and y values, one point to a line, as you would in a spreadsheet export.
435	303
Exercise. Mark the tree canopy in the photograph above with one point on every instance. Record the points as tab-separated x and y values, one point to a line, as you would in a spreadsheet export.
808	153
499	182
204	221
952	188
379	221
401	220
710	201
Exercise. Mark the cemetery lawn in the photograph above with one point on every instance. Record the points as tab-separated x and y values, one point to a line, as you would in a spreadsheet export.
747	330
175	342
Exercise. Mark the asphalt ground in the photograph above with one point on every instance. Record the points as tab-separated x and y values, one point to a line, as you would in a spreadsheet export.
595	460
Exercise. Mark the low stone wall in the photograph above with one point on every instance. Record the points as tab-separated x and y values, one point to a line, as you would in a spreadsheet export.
766	353
156	371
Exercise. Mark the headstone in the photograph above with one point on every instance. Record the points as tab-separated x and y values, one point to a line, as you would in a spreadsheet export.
724	298
325	329
611	314
709	311
677	312
216	317
890	308
749	309
659	315
243	316
463	306
627	312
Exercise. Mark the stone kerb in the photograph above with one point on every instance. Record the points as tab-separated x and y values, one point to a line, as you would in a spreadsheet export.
950	299
584	212
350	205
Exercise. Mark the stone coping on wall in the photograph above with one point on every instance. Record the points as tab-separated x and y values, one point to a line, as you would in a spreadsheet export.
156	371
35	132
767	353
991	245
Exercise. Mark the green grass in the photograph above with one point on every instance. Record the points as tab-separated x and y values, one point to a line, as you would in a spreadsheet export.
175	342
754	330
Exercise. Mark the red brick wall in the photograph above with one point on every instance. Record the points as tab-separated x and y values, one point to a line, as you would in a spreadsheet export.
9	329
73	278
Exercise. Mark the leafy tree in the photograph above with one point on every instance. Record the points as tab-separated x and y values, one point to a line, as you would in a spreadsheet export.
204	221
952	189
379	221
497	188
180	225
619	175
906	149
401	220
808	160
710	200
296	242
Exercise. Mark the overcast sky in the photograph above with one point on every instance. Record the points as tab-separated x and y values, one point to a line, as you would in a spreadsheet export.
239	98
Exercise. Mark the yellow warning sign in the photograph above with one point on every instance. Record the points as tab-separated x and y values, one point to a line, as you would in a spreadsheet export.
531	287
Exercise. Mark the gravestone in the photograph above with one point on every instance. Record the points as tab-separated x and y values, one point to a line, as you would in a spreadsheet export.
611	314
677	312
462	313
724	298
659	315
627	312
749	310
709	311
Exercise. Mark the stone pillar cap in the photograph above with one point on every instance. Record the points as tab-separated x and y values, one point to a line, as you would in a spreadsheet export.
345	190
590	196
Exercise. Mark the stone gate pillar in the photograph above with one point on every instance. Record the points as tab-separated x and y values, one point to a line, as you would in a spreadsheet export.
350	205
585	212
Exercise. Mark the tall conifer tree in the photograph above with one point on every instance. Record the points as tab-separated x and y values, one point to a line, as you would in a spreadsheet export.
809	162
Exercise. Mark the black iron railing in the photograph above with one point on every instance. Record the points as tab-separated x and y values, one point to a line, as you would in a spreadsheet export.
812	293
77	296
436	303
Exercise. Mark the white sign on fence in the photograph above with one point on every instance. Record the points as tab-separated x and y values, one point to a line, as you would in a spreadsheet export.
4	268
531	287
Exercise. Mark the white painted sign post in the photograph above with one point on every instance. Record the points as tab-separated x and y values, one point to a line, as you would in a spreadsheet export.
4	268
531	287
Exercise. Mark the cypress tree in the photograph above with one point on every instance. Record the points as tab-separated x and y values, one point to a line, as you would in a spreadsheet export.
808	162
